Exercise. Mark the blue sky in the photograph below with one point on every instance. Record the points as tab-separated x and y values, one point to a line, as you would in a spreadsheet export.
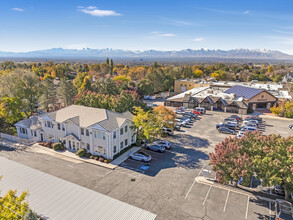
146	24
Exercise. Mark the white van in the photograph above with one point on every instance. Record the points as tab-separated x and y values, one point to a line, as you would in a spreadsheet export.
201	110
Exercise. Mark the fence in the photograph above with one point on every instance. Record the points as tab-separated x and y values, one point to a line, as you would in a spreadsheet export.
18	140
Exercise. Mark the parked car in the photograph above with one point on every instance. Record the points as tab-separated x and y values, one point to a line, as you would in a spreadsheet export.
226	125
165	144
186	118
179	112
291	126
141	156
279	190
230	120
249	125
250	122
240	134
238	118
167	131
196	112
283	210
177	127
201	110
226	130
151	105
251	129
190	114
230	125
156	147
254	118
144	143
182	123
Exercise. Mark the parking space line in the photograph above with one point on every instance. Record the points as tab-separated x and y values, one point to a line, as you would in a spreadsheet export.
194	181
247	207
270	210
226	201
207	195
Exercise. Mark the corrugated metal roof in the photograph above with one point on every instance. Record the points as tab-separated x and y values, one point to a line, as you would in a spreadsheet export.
56	198
243	91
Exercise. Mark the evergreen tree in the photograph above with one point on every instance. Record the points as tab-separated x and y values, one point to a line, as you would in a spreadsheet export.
49	94
66	92
112	66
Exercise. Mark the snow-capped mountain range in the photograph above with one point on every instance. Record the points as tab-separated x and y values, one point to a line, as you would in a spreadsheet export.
118	53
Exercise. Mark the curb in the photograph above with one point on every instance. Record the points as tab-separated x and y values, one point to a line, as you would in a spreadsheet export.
276	117
79	159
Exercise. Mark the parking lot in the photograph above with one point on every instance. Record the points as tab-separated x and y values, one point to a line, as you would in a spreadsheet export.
166	185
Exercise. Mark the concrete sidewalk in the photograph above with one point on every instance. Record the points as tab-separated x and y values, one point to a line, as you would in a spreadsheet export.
67	155
124	156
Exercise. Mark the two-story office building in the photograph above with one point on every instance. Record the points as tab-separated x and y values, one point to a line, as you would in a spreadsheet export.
100	131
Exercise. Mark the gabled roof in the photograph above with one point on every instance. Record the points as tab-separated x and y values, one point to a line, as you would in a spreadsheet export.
89	116
72	135
33	122
243	91
186	97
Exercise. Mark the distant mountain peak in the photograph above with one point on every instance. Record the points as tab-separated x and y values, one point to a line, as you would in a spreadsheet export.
88	53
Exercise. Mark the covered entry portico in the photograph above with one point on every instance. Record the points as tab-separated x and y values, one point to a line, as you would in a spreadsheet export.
71	142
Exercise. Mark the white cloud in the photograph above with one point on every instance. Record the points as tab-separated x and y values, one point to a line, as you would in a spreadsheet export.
198	39
246	12
283	32
94	11
167	35
176	22
18	9
160	34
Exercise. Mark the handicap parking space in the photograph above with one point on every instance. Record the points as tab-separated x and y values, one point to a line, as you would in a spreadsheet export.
132	168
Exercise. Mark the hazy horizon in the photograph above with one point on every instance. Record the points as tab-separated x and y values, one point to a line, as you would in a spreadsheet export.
144	25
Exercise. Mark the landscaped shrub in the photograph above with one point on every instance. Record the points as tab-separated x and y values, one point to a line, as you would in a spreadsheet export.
30	215
42	143
105	161
88	155
101	159
58	146
81	152
289	114
48	144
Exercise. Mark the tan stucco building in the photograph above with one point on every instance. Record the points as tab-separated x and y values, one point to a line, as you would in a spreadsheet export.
183	85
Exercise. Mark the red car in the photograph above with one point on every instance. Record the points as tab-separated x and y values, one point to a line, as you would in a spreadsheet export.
196	112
